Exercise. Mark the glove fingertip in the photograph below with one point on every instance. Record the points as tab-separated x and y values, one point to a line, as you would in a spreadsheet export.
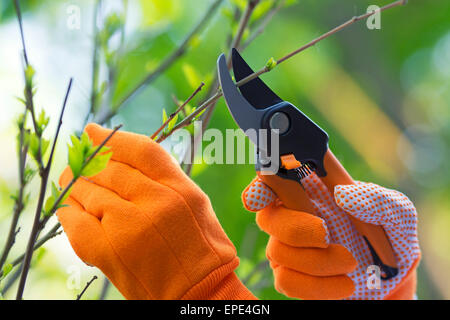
93	128
257	196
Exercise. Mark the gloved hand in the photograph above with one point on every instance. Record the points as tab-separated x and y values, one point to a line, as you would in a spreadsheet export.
148	227
320	255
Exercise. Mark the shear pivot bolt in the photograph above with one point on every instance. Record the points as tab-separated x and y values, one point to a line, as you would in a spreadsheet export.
280	121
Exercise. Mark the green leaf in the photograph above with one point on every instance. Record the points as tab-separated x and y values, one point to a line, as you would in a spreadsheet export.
261	9
38	255
55	191
164	116
28	174
29	74
42	121
192	76
22	101
228	13
188	109
44	145
86	144
195	41
48	206
241	4
75	159
33	145
172	122
97	164
113	23
6	270
75	141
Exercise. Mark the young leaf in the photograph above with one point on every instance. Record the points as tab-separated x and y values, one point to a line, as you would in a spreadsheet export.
29	74
55	191
164	116
44	145
192	77
49	203
42	122
6	269
172	123
97	164
271	63
75	160
261	9
33	145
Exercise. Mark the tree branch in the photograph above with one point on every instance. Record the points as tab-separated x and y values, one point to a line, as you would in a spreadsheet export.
188	120
22	37
58	128
86	287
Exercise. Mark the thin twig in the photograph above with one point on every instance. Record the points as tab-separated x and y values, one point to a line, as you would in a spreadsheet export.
154	135
18	204
339	28
86	287
58	128
33	235
19	18
107	112
177	103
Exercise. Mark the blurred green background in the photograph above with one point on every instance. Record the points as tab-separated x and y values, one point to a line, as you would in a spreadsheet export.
382	95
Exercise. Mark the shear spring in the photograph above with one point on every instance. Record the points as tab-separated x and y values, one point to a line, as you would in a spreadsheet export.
304	170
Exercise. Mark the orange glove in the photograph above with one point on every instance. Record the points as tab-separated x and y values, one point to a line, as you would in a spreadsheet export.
148	227
320	255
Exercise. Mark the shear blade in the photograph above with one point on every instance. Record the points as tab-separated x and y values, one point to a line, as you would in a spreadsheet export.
246	116
255	91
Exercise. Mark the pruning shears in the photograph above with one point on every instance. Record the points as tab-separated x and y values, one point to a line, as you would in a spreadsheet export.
303	149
